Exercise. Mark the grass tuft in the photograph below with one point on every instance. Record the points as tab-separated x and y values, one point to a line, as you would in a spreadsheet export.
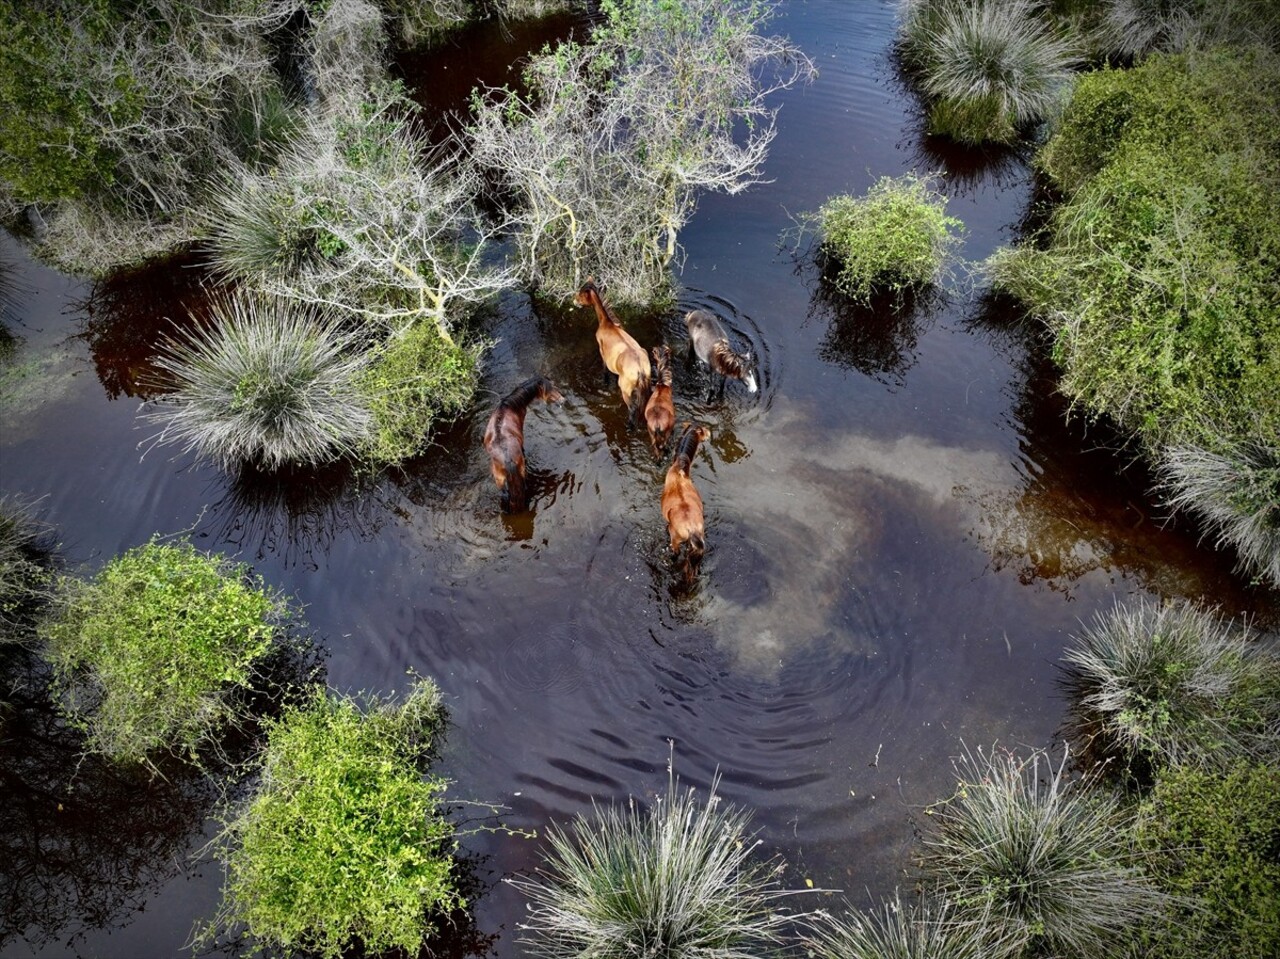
1043	859
1175	685
1236	493
150	653
676	880
344	843
990	69
900	931
270	384
896	238
26	569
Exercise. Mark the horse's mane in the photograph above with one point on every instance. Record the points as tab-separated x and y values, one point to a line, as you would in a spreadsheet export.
687	448
735	364
661	367
591	288
523	394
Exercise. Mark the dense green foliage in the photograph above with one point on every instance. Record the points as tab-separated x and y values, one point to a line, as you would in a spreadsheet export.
1041	859
149	653
344	840
414	380
676	880
1214	839
988	69
896	237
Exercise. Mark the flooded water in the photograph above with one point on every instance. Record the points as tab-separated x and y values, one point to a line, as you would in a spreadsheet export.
903	529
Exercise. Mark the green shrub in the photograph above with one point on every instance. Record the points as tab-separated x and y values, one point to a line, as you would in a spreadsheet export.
270	384
901	931
414	380
1042	860
676	880
896	237
1214	840
344	841
1172	684
150	653
988	69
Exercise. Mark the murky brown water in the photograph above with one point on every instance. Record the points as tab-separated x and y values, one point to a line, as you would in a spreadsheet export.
903	533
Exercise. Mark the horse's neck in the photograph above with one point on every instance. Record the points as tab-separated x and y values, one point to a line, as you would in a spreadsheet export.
724	356
604	315
519	399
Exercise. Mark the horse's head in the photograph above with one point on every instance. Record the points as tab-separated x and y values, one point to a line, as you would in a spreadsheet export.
749	372
586	292
547	391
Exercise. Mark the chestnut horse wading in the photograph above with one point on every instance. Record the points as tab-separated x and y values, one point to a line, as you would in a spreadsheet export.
504	438
622	355
709	341
681	503
660	411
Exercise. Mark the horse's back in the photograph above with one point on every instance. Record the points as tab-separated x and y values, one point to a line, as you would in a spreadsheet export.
702	324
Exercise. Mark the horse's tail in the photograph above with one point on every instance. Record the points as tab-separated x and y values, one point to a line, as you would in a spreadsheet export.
514	492
640	394
693	555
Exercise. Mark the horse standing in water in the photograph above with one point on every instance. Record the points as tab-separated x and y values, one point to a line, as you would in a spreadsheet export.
622	355
504	438
681	503
660	411
709	340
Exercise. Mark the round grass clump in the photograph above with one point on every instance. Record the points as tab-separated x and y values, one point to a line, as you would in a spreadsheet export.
900	931
989	68
1175	685
269	384
149	654
1236	493
896	237
1044	860
344	843
676	880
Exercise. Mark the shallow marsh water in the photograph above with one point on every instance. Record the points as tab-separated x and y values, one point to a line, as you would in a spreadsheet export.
904	531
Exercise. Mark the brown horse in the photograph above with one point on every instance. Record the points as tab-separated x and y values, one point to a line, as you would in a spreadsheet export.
660	411
708	339
504	438
622	355
681	504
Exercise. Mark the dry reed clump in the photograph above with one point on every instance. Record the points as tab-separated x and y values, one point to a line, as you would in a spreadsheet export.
270	383
27	569
1043	861
989	69
676	880
1175	685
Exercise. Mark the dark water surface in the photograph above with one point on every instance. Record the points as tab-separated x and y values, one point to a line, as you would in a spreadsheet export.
903	532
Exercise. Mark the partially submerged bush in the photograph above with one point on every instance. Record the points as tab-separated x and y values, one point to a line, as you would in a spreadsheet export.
151	653
677	880
1212	839
344	842
269	384
896	237
1236	493
988	68
26	569
1043	860
413	381
901	930
1172	684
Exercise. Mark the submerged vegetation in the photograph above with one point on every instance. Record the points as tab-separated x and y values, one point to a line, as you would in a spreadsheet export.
26	569
677	880
152	653
896	238
344	841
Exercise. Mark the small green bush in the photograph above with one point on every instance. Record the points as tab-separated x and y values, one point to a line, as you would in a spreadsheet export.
896	237
1172	684
676	880
270	384
149	654
344	842
1043	860
413	380
988	69
1214	840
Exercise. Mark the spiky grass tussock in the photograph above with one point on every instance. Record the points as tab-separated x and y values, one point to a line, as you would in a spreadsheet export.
1044	859
270	383
676	881
1236	493
1134	28
899	930
26	568
989	68
1173	684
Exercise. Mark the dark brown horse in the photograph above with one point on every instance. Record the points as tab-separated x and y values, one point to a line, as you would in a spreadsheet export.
504	438
710	342
622	355
660	411
681	503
